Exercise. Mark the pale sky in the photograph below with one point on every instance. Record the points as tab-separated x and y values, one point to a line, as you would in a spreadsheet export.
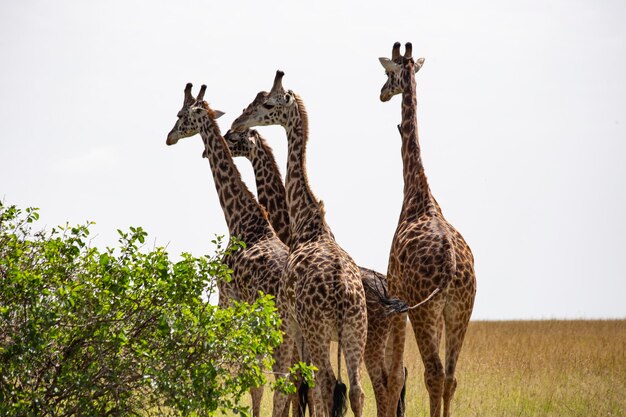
521	112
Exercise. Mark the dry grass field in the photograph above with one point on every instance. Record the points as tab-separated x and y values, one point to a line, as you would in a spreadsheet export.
527	368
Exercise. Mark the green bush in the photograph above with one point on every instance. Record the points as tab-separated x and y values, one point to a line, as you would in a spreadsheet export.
120	331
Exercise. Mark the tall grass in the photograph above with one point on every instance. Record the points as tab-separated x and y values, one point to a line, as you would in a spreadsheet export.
526	368
540	368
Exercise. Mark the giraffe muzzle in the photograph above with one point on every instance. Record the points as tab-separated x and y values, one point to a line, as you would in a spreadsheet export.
172	138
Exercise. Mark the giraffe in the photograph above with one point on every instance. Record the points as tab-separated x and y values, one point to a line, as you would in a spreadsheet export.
258	266
427	256
271	194
269	183
323	289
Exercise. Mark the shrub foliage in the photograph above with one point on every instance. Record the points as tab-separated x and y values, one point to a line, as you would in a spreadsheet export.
121	331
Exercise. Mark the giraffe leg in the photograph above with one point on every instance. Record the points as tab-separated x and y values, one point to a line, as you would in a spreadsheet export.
283	358
302	397
377	334
310	394
425	322
326	383
318	348
456	325
353	340
395	350
257	395
440	323
354	359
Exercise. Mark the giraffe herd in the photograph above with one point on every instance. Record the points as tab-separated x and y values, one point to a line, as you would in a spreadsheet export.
320	292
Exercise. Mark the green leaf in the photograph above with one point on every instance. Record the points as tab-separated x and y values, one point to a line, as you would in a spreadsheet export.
91	330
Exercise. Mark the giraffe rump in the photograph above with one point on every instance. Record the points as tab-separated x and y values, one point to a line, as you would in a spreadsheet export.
449	265
323	285
428	256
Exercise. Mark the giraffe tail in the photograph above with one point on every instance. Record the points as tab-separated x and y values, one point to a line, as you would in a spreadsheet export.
375	286
340	400
340	403
449	270
303	397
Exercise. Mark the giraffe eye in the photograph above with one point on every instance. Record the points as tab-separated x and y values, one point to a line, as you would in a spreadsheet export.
268	106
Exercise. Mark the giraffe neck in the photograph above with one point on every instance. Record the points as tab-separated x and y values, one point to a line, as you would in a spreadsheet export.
246	220
417	196
306	216
271	190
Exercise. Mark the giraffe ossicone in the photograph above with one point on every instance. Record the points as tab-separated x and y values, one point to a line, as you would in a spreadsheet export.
271	194
430	264
325	294
257	268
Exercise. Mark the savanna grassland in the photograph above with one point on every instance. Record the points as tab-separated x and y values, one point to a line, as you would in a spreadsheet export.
527	368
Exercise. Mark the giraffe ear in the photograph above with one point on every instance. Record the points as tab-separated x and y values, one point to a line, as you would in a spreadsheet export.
389	65
418	64
218	113
252	134
289	99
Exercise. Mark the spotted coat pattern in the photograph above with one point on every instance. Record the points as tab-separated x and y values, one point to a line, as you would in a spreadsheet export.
269	183
426	253
271	194
322	286
258	266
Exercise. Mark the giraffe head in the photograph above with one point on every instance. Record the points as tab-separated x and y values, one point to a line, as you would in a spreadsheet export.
398	69
267	108
186	125
243	143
